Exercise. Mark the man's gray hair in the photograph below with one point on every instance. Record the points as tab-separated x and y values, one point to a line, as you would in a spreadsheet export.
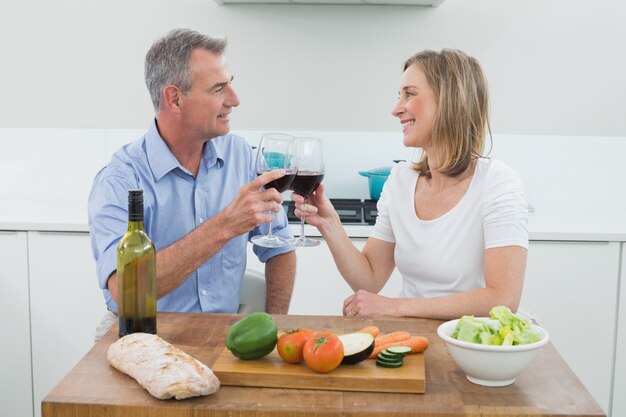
167	60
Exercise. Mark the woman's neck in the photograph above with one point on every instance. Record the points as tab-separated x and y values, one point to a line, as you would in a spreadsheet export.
441	181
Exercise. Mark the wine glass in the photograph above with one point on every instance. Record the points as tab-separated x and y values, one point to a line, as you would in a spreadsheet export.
276	151
310	155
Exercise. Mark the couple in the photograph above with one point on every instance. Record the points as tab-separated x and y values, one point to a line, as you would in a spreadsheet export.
454	224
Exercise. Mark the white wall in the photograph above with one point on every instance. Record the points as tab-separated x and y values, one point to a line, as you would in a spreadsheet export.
585	172
555	67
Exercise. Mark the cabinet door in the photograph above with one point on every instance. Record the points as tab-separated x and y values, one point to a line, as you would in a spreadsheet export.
320	289
67	305
619	384
571	288
15	370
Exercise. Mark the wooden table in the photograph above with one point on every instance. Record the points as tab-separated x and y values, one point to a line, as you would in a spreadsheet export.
94	388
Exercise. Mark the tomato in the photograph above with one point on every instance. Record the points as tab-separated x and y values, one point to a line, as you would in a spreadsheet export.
291	344
323	352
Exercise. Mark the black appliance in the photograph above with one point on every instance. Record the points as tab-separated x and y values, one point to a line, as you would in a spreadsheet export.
350	210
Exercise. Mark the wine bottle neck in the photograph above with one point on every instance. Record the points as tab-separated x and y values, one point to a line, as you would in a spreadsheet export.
135	225
135	212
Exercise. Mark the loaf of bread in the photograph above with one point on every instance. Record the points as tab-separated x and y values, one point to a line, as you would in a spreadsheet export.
161	368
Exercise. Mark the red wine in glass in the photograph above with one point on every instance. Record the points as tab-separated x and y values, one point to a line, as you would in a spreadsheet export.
310	156
276	151
305	182
283	183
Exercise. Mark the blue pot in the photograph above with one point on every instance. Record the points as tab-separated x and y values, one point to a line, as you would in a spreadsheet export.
377	178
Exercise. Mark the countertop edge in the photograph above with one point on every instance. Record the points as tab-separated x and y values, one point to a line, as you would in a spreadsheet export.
353	231
545	224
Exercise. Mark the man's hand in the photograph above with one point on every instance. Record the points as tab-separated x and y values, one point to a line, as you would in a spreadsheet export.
252	206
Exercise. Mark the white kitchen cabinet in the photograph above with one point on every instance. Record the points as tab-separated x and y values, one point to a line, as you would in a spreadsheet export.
319	288
15	367
619	381
571	288
67	305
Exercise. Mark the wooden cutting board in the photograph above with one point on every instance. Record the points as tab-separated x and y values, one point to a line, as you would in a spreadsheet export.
272	372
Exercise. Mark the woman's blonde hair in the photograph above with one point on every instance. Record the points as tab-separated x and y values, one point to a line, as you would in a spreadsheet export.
462	116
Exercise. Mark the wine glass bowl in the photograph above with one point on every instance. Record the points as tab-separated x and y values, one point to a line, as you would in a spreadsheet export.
283	183
276	151
311	171
305	182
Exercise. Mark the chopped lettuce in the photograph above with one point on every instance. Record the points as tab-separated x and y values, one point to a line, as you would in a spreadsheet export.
504	328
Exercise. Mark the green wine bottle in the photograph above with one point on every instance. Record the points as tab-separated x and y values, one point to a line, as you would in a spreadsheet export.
136	273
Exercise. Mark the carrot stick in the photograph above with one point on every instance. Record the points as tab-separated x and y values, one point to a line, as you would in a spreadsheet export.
418	344
392	337
373	330
380	348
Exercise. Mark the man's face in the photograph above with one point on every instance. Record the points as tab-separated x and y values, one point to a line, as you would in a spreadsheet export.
207	106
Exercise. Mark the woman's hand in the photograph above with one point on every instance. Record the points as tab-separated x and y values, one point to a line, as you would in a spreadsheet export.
318	210
365	303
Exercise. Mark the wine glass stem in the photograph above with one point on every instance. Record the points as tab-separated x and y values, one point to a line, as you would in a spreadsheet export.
270	236
302	236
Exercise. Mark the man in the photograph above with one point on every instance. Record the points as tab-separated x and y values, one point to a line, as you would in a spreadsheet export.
202	198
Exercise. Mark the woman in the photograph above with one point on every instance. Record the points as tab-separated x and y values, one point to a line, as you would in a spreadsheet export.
454	224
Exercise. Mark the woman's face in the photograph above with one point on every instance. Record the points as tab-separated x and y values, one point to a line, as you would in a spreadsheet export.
416	108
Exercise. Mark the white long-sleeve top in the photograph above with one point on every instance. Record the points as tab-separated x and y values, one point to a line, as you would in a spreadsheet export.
446	255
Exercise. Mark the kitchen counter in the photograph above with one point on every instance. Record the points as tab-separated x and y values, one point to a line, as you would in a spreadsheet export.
562	224
44	215
547	388
575	255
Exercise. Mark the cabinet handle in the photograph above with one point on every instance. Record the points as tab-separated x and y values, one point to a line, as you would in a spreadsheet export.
8	232
59	232
570	242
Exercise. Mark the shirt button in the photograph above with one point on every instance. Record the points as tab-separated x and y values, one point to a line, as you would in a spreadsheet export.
203	292
200	219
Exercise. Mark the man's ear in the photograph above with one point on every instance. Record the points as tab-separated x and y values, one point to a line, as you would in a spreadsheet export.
172	98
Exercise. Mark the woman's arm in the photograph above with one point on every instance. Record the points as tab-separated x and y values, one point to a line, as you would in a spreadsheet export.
369	269
504	277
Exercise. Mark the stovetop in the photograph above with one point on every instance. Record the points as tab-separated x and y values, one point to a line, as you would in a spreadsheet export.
350	210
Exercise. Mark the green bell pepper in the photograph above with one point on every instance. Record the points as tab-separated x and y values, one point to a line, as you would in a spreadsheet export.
252	337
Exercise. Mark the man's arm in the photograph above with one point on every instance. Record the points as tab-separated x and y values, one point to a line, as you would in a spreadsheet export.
280	274
249	209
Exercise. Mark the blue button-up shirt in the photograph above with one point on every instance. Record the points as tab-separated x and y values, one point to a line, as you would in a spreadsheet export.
175	203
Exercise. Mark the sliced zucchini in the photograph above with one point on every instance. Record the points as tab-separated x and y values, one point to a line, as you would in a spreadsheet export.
389	356
392	361
386	364
399	350
356	347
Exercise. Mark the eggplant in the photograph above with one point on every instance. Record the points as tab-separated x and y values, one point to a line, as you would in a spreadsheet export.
356	347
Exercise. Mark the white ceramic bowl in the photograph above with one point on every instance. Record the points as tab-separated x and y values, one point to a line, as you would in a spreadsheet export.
492	366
